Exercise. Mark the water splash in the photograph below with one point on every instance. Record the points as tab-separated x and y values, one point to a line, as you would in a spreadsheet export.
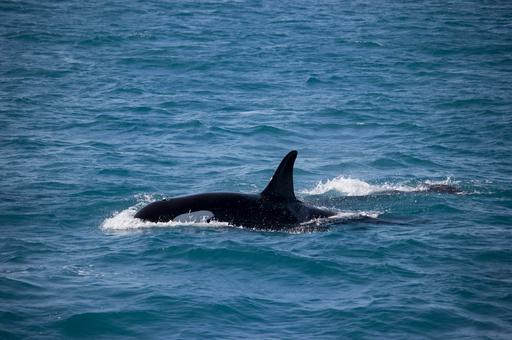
356	187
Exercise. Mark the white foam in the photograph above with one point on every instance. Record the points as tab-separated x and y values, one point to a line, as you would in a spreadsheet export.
349	215
356	187
447	181
342	216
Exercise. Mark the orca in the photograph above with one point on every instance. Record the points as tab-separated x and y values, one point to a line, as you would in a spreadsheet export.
275	208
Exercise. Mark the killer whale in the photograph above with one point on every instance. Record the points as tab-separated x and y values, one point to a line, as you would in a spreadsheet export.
275	208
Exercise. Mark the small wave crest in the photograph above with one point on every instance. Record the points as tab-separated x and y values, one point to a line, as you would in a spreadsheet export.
356	187
354	215
125	220
323	224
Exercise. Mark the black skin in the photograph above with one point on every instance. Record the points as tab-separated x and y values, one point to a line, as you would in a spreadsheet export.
275	208
251	211
443	188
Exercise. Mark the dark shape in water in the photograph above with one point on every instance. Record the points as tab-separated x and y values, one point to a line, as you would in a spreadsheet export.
439	188
443	188
275	208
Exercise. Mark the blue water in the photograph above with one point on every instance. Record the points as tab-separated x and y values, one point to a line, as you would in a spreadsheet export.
106	106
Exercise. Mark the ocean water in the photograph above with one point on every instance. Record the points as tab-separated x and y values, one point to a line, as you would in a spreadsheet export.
106	106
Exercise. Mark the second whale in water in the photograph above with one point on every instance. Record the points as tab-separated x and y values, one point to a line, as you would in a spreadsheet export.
275	208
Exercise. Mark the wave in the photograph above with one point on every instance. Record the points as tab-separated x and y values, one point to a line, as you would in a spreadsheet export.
356	187
340	217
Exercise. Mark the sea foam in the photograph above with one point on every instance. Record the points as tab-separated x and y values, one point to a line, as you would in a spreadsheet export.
356	187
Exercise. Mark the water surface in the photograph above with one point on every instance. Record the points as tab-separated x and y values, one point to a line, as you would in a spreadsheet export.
105	107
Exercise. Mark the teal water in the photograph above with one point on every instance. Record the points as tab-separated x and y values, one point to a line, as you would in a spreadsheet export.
108	106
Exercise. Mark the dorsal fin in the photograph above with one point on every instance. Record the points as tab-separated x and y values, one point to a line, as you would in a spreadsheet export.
281	184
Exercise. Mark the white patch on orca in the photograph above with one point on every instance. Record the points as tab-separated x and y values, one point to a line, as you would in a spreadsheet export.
194	216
